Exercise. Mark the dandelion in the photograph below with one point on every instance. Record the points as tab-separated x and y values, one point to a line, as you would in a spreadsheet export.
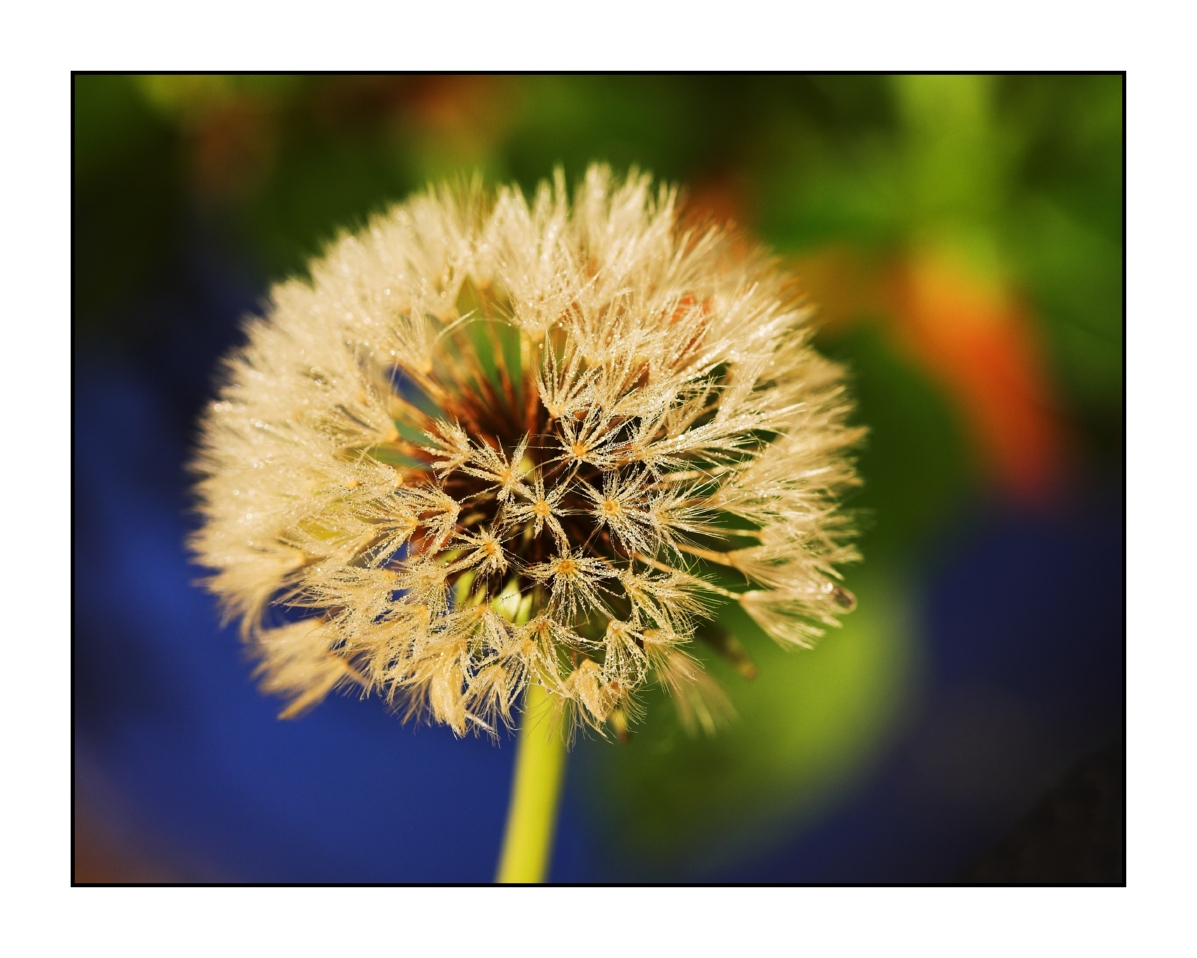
498	448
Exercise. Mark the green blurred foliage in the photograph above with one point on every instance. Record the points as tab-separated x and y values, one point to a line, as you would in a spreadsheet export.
1016	178
1020	175
915	459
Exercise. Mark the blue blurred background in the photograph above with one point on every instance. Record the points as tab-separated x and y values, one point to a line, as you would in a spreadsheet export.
962	237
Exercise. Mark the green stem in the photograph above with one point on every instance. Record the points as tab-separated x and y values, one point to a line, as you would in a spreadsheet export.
535	789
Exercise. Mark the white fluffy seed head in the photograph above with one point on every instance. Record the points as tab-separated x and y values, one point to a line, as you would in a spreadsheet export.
494	442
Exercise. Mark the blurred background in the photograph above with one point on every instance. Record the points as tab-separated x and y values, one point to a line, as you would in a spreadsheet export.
962	237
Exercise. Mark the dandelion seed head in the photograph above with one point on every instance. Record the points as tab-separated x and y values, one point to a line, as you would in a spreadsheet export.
498	440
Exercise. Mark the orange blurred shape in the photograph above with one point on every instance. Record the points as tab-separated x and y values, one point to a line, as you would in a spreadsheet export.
102	859
719	200
450	103
842	285
978	341
234	148
467	114
715	199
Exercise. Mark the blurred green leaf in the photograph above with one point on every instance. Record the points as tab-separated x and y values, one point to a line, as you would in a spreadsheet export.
915	461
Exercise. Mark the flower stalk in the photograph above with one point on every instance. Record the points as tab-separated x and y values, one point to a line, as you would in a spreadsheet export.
535	792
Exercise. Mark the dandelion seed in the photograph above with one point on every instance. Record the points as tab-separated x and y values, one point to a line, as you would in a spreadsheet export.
497	442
